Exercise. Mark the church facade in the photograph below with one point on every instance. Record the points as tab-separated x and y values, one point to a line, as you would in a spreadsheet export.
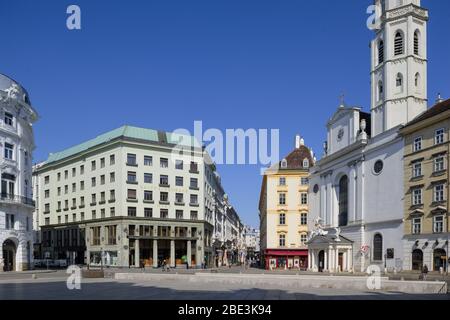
356	194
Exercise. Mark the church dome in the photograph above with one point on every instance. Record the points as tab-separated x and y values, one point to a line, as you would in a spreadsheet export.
12	88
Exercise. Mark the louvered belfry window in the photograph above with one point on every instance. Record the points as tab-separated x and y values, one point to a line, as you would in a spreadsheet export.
381	52
416	43
398	44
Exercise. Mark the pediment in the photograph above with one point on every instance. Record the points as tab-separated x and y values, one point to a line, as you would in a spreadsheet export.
342	112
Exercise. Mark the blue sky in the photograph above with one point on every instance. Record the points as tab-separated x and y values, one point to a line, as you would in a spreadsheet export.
230	63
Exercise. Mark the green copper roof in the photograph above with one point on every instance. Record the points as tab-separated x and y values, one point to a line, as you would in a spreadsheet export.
128	132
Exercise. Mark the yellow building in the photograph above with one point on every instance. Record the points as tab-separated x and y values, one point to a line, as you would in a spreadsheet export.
283	210
426	202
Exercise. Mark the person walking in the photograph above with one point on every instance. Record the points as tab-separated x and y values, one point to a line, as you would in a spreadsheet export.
424	272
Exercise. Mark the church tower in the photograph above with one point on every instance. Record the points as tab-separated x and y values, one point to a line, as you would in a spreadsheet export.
399	64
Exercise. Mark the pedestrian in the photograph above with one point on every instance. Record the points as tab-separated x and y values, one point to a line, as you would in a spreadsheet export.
424	272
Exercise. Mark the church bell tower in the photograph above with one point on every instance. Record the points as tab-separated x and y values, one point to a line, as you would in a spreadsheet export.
399	64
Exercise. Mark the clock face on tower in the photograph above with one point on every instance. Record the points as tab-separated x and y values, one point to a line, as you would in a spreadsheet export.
340	134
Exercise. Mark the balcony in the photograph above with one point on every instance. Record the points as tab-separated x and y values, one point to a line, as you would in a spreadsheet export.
10	198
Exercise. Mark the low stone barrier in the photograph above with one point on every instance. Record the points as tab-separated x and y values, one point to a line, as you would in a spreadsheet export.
295	282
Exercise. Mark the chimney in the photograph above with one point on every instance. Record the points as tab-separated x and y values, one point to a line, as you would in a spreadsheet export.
297	142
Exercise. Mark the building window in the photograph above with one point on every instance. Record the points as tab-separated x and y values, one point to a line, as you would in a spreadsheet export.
47	194
148	161
378	247
179	164
305	163
81	169
9	151
417	144
398	44
439	164
148	195
112	177
303	239
93	165
148	212
112	232
112	195
304	219
193	183
132	211
164	163
282	220
102	162
112	212
66	174
164	214
193	167
82	185
438	224
439	136
282	240
417	169
378	167
9	221
343	201
9	119
416	42
380	52
179	198
102	213
194	215
416	225
179	214
304	198
163	197
102	179
93	182
399	82
131	159
164	180
282	198
417	197
131	194
283	164
304	181
95	236
193	199
112	160
131	177
74	172
439	193
282	181
148	178
417	80
179	181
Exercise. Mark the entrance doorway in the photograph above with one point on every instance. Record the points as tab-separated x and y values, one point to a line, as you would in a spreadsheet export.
439	257
341	261
417	260
9	255
321	261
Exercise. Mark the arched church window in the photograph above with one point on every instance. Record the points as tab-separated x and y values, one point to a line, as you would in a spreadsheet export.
378	247
380	51
417	80
416	42
399	80
343	201
380	90
398	44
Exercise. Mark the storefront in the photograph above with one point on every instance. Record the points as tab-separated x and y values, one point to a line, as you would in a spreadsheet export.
286	259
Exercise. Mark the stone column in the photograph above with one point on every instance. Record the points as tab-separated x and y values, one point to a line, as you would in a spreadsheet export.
198	257
309	260
325	262
137	257
313	260
155	253
352	195
189	253
172	254
337	260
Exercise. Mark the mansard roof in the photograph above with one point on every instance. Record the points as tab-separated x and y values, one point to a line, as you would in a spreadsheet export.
296	157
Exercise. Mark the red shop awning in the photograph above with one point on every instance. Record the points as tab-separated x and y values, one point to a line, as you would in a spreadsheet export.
290	253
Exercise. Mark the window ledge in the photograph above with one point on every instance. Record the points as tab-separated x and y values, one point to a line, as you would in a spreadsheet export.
132	200
194	204
132	182
112	201
149	201
131	164
164	185
164	202
194	172
81	206
179	203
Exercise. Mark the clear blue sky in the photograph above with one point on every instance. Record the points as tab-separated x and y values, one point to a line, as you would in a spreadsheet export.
230	63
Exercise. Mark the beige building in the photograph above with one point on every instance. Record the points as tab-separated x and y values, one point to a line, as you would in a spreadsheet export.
283	210
427	154
126	198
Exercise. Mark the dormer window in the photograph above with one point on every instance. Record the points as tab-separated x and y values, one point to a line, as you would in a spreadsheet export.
305	163
283	164
9	119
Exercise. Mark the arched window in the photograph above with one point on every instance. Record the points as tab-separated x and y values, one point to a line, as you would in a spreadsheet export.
343	201
399	82
417	80
380	90
378	247
416	42
380	51
398	44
